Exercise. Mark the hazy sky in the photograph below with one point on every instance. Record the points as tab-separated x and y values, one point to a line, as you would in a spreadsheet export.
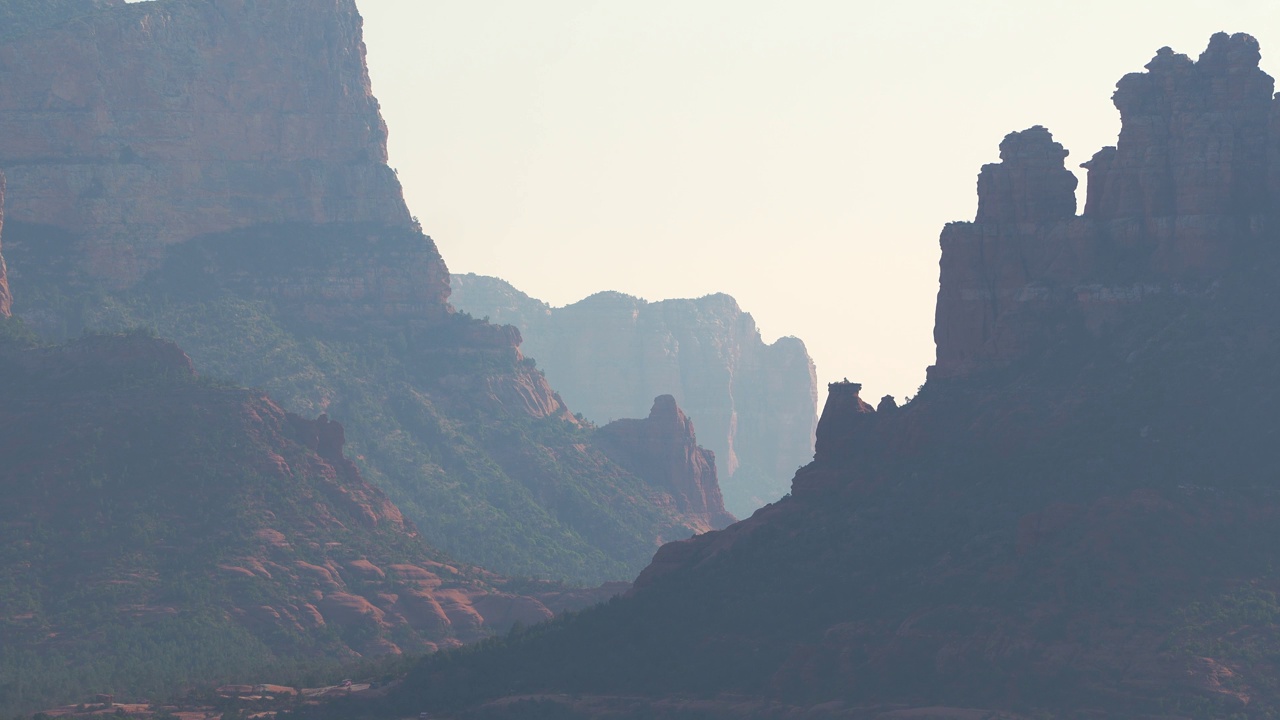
801	155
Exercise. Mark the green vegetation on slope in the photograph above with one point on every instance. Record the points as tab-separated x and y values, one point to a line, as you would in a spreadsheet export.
484	482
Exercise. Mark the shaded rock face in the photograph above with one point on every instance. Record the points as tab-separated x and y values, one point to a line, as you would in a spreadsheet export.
845	408
610	354
138	126
1191	181
663	450
1029	184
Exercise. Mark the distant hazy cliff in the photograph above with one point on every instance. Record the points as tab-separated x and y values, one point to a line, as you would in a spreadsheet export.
754	404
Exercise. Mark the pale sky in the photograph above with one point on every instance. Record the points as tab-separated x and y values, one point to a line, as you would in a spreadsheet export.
801	155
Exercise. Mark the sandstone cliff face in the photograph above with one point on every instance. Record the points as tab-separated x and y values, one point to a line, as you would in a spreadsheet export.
663	450
610	354
1191	182
139	126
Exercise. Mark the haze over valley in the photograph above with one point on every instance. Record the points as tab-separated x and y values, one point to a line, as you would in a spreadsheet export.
269	451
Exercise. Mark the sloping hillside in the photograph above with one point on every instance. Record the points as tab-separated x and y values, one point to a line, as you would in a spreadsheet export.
162	530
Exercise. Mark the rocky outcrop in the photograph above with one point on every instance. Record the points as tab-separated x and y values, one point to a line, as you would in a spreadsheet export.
842	413
610	354
1029	184
1190	186
663	450
138	126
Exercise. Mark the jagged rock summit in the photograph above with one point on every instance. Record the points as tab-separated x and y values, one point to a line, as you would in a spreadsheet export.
663	449
609	354
1076	516
1192	183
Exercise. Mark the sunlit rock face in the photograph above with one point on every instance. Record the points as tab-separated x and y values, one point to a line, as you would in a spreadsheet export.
1191	183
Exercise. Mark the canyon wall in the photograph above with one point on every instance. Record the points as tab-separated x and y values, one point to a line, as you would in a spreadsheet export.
134	127
610	354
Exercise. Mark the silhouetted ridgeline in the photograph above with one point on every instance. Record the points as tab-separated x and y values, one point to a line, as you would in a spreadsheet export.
1077	515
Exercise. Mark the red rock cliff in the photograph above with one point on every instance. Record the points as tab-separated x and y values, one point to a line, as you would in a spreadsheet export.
663	450
137	126
1184	190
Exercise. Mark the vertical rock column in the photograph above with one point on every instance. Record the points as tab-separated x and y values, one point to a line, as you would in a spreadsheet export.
989	266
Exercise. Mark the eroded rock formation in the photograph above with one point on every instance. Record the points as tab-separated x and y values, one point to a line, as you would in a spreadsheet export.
610	354
1188	187
663	450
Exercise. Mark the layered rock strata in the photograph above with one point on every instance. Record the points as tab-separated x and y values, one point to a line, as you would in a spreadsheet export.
138	126
610	354
663	450
1192	182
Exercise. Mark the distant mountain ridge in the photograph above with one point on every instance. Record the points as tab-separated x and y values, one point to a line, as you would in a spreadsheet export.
755	404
